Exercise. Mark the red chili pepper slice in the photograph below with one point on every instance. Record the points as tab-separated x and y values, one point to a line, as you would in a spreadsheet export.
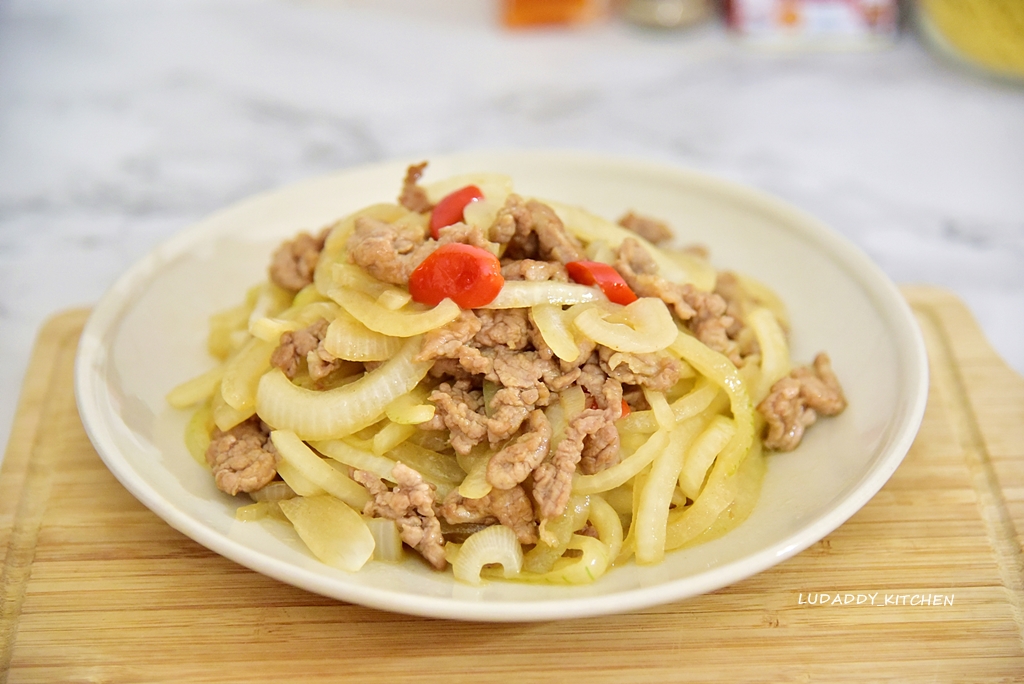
450	209
603	275
592	404
469	276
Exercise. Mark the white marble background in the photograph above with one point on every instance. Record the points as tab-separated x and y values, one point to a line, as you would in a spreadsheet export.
123	121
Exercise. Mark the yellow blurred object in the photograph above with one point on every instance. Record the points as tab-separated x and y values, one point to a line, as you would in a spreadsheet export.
985	33
525	13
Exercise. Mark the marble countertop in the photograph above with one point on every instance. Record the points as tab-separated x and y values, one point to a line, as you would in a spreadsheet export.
122	122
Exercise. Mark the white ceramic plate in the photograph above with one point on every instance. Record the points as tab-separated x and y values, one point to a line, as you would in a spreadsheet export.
148	333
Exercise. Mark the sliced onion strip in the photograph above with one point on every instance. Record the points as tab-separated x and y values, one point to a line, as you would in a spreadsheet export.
344	410
702	454
349	339
517	294
647	326
401	323
494	544
316	470
335	533
553	328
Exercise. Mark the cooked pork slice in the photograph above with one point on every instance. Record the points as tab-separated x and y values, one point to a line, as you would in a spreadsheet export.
410	504
243	459
794	402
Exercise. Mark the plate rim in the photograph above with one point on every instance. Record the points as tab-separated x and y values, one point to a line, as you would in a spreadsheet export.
869	277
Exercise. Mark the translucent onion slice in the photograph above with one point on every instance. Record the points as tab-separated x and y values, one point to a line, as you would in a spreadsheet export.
642	422
261	510
242	374
225	416
467	462
387	539
620	499
647	327
553	328
360	459
629	542
271	301
482	212
648	527
316	470
394	299
723	373
775	361
593	563
629	442
699	271
306	296
293	318
355	278
390	436
197	433
494	544
589	227
221	341
765	296
275	491
475	484
556	535
622	471
410	409
430	464
195	390
573	400
401	323
748	488
607	523
555	414
702	454
335	533
721	487
341	411
598	250
696	400
451	552
575	310
489	389
492	185
298	482
517	294
271	329
705	394
687	524
349	339
663	414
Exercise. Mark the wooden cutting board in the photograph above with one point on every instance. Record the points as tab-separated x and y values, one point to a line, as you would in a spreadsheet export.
95	588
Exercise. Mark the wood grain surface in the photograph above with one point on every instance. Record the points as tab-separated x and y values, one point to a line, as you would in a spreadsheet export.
95	588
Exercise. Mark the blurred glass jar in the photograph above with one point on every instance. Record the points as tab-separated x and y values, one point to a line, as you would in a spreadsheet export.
983	33
667	13
815	24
